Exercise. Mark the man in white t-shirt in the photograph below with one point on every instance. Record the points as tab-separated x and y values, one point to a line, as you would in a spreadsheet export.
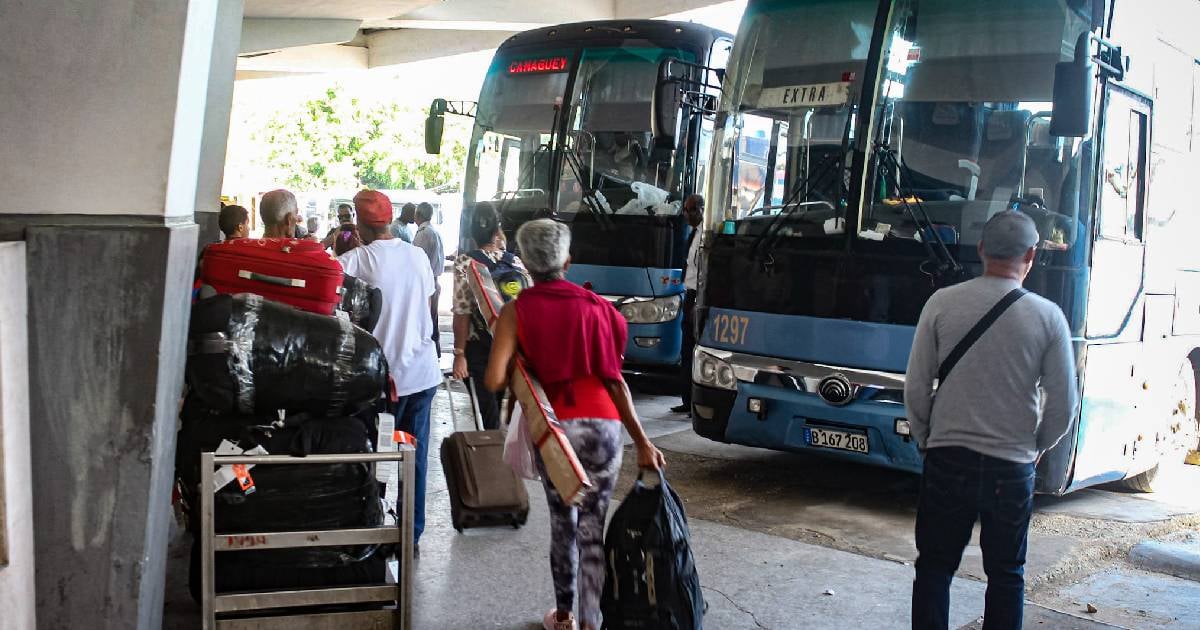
402	274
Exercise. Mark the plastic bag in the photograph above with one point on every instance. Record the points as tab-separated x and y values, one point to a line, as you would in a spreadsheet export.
362	301
649	194
667	209
518	448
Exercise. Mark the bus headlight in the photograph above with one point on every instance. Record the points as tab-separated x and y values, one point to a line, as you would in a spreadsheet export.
710	371
650	310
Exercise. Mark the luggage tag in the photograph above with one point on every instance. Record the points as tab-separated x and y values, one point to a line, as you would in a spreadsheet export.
241	472
385	471
391	439
402	438
244	479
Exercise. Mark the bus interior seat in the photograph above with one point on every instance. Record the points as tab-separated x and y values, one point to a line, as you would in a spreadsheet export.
1045	168
934	134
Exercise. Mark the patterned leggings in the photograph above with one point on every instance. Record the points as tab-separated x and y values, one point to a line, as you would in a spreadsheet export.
577	532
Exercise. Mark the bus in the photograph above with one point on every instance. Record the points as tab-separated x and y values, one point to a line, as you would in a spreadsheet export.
900	127
563	129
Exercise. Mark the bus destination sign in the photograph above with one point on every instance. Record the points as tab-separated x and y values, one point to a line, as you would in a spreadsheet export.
815	95
538	66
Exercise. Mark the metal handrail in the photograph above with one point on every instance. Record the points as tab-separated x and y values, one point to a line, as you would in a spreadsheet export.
401	534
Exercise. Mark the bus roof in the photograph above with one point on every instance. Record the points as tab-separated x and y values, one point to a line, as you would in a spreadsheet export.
609	32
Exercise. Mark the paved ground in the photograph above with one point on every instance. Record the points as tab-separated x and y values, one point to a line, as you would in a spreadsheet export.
773	533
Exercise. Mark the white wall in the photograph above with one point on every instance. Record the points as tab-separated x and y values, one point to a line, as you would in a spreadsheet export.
93	112
16	579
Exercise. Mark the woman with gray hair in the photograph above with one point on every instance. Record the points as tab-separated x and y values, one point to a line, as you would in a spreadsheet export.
572	340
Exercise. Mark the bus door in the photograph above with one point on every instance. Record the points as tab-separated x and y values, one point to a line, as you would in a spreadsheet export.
1114	377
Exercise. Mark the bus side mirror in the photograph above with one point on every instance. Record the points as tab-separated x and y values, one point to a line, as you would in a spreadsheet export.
664	107
435	124
1074	84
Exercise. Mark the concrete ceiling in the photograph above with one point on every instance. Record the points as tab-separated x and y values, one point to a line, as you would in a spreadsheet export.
333	9
307	36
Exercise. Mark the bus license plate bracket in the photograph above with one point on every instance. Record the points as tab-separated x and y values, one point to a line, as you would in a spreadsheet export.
853	441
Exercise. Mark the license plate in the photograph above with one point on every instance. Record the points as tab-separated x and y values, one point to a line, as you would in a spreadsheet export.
841	440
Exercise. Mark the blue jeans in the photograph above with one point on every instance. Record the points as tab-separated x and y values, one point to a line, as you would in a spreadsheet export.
958	487
412	416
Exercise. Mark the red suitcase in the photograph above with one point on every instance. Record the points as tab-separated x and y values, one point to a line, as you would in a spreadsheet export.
292	271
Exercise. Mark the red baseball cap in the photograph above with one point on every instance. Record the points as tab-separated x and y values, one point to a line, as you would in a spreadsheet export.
373	207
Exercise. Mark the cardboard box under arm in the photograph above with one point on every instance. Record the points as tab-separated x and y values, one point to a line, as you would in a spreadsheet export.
562	465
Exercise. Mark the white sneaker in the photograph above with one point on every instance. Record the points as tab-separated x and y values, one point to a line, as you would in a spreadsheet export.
551	622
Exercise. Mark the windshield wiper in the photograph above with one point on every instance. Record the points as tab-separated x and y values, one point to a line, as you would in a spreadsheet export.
900	177
797	202
588	194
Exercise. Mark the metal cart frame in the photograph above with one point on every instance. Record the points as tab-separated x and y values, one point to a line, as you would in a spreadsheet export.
397	617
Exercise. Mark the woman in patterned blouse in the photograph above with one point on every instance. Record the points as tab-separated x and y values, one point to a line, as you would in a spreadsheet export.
472	341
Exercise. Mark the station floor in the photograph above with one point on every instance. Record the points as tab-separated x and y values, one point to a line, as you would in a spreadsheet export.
782	542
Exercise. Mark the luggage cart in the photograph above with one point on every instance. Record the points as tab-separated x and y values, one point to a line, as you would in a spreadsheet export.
397	616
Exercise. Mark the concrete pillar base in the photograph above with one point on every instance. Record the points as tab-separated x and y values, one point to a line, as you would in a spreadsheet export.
108	314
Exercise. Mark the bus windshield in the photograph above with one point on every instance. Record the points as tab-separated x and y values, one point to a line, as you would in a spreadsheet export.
514	121
795	77
963	120
610	130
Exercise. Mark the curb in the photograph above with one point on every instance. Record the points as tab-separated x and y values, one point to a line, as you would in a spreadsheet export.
1179	560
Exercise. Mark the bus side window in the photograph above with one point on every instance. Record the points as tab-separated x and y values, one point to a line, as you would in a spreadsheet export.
1122	194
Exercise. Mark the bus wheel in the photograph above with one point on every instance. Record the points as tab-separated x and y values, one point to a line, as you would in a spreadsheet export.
1178	442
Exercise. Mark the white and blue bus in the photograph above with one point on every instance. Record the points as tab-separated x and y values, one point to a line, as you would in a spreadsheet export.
563	129
896	129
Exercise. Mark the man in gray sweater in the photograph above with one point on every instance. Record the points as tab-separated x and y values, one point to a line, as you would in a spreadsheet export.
982	433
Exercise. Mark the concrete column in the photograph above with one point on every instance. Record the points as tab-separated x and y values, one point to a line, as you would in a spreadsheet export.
16	473
108	145
223	67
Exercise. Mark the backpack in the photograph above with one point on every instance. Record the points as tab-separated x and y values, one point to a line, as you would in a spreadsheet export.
650	574
509	279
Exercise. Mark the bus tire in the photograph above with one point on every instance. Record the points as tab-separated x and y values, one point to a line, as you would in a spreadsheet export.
1182	434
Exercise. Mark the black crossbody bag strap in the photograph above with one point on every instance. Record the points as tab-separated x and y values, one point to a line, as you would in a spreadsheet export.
976	332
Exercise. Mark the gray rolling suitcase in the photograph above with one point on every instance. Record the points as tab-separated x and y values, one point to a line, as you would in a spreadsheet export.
483	488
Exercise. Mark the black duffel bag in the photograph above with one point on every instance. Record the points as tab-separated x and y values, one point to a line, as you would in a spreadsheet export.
248	355
650	573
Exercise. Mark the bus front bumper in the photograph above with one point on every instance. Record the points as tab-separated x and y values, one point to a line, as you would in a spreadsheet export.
788	420
655	345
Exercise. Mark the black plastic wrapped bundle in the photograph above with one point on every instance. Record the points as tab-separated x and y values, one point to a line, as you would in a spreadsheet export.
361	301
287	498
250	356
203	430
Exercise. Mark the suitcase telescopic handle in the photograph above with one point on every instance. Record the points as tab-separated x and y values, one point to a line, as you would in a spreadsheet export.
475	404
279	280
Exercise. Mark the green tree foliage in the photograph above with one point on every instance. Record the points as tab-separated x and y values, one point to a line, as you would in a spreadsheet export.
336	143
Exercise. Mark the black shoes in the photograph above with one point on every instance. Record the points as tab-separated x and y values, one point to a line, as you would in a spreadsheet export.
682	409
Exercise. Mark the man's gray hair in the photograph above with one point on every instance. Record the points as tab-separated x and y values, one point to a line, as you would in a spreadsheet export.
276	206
545	246
424	212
